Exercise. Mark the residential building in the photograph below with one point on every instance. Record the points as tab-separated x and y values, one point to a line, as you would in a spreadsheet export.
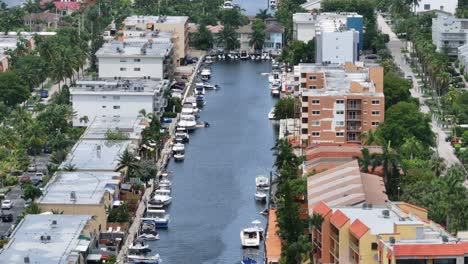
449	6
394	233
312	5
131	127
178	25
97	155
82	192
120	98
338	36
244	34
9	43
41	21
345	185
340	102
449	32
51	238
463	57
272	239
136	58
67	7
274	36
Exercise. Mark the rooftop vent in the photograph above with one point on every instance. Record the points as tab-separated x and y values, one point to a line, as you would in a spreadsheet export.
392	241
445	239
26	260
73	196
386	213
45	239
53	224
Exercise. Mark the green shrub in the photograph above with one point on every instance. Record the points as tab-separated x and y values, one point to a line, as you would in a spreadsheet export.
169	114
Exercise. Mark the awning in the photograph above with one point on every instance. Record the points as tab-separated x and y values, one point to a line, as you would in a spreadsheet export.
95	257
83	245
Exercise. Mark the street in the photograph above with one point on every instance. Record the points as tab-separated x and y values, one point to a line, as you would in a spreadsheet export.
444	149
15	196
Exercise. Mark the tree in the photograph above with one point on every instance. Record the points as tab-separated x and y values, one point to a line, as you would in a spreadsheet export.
263	14
12	88
115	135
368	160
258	34
227	38
31	192
284	108
146	171
119	214
298	52
203	39
31	69
396	89
232	18
128	162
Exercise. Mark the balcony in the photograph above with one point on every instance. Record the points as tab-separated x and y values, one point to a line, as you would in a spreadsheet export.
304	114
353	117
335	237
353	106
305	104
353	128
354	247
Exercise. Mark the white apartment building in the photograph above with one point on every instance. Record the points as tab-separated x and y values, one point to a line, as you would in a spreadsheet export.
117	97
449	32
338	36
135	58
449	6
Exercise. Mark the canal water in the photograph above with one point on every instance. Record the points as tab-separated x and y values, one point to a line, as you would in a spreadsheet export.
213	189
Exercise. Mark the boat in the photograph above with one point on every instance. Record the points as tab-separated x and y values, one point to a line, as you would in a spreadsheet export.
200	100
208	60
158	217
205	74
250	237
260	196
191	105
228	5
200	90
165	183
140	253
244	55
179	156
248	260
252	57
183	135
188	122
262	182
208	86
274	77
178	147
148	236
272	4
275	93
271	114
161	198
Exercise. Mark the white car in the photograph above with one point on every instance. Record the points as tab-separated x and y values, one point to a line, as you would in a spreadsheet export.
7	204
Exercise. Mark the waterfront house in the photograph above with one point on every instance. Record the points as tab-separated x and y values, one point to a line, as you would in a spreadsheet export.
449	32
274	37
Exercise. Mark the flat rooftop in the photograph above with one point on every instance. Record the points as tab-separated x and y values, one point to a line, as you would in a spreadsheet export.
134	20
97	155
129	126
109	85
326	22
141	47
62	247
89	187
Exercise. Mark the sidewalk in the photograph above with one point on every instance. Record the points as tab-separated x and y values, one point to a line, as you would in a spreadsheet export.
444	149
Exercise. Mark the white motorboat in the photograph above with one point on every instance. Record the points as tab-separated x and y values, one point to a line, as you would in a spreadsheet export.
252	57
260	196
179	156
228	5
188	122
161	198
275	77
262	182
250	237
275	93
148	237
200	90
205	74
140	253
156	217
208	60
191	105
184	135
244	55
208	86
271	114
178	147
165	182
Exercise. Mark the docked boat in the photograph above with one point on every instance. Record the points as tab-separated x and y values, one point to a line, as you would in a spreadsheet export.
191	103
152	236
248	260
208	86
260	196
228	5
275	93
158	217
205	74
188	122
200	90
200	100
165	182
262	182
140	253
243	55
271	114
178	147
250	237
208	60
179	156
183	135
161	198
275	77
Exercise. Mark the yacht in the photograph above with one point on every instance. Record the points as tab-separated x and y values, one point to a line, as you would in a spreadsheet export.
191	103
208	86
275	93
140	253
161	198
158	217
244	55
262	182
271	114
178	147
208	60
275	77
205	74
200	90
260	196
164	182
200	100
250	237
179	156
228	5
184	135
188	122
149	236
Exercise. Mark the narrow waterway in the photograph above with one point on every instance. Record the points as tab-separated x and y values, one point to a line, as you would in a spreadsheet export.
213	189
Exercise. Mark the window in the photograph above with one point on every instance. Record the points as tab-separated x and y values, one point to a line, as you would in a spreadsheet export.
123	60
316	113
103	106
340	112
375	102
339	134
365	112
116	97
365	123
104	97
339	123
316	134
136	69
427	7
375	123
375	113
462	42
340	101
313	87
315	123
313	77
123	69
116	106
136	60
304	99
315	102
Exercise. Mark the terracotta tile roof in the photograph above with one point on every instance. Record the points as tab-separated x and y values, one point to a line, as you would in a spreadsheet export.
339	219
322	209
430	250
273	241
358	228
67	5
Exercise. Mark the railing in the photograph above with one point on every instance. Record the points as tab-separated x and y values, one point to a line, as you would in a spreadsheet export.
354	247
334	237
353	128
352	106
354	117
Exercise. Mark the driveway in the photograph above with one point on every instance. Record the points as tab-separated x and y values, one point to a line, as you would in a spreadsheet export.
444	149
15	196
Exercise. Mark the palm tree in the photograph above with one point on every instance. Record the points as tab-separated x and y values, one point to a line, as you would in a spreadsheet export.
84	119
128	162
390	164
365	160
263	14
437	164
227	37
69	167
371	137
258	35
58	156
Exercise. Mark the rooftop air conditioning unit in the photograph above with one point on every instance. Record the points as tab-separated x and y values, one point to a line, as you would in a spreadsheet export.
73	196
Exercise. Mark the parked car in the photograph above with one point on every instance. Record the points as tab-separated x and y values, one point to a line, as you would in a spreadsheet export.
6	218
32	167
166	120
25	179
35	181
7	204
27	203
44	93
409	78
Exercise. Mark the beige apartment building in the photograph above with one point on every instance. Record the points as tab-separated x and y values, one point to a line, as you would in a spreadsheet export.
178	25
340	102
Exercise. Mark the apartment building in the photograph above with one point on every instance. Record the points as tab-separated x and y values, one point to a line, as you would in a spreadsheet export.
340	102
136	58
117	98
131	127
338	36
49	238
394	233
177	25
449	32
81	192
449	6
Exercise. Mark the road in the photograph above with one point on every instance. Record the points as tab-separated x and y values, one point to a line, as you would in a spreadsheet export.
15	196
444	149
